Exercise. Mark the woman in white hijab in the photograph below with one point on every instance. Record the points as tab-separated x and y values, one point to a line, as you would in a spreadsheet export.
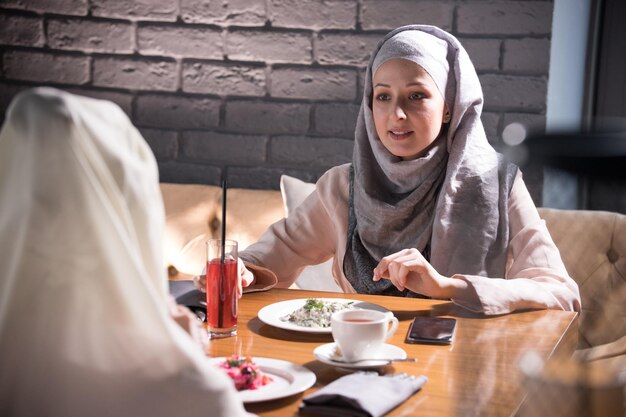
85	326
427	207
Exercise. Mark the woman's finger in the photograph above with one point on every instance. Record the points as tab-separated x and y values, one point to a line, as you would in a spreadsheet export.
199	281
246	276
413	262
396	280
244	279
382	267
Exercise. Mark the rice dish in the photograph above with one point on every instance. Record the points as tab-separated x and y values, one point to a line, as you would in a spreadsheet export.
316	313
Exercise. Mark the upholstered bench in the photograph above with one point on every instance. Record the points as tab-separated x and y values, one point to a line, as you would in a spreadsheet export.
593	248
194	215
592	244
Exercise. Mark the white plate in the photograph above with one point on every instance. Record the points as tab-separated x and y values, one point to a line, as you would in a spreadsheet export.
271	314
287	379
324	352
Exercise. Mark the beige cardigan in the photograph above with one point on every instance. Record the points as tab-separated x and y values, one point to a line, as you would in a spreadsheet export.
535	277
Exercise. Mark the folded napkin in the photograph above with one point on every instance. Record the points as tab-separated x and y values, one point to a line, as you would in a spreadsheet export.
362	394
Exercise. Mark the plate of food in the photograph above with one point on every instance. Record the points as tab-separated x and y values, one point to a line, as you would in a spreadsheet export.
264	379
310	315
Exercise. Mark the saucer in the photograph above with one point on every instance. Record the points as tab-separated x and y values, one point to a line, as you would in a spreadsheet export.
328	351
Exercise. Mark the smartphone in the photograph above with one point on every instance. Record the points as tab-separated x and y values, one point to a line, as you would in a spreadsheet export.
439	330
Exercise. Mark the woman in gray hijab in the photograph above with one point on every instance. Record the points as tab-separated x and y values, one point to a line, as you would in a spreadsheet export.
427	208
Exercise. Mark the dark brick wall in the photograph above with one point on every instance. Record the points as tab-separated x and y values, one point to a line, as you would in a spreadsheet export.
251	89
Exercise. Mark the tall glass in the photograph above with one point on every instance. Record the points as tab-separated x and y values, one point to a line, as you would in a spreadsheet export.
221	288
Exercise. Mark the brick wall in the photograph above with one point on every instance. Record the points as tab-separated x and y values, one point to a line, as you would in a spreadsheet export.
251	89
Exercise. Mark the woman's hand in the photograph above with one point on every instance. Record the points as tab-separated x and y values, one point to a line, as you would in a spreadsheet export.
409	269
189	322
245	278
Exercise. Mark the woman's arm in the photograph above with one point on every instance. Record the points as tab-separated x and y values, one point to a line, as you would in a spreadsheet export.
306	237
535	276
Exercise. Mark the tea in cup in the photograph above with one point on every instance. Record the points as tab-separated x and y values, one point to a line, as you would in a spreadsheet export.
361	334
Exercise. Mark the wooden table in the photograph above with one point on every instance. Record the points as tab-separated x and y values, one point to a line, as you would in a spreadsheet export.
475	376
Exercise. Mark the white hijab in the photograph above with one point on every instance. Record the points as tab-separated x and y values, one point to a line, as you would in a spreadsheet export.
84	324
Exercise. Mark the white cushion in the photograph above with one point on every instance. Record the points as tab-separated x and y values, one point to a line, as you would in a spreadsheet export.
314	277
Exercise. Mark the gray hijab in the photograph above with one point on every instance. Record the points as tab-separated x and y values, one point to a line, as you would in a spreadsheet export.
451	204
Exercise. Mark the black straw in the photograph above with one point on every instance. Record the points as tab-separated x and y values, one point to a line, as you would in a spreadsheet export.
223	218
220	320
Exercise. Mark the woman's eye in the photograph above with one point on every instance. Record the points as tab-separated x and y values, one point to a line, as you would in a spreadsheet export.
382	97
417	96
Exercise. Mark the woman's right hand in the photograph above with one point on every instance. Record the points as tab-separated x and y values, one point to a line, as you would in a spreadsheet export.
409	269
245	278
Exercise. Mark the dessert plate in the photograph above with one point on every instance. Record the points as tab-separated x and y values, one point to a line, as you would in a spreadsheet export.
288	379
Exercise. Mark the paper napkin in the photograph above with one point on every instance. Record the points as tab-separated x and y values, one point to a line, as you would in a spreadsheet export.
362	394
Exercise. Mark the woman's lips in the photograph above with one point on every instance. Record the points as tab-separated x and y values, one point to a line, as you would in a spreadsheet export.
400	134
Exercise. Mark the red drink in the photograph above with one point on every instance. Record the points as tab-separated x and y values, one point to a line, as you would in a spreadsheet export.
221	294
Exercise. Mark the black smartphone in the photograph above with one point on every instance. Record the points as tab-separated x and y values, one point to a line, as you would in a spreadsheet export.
439	330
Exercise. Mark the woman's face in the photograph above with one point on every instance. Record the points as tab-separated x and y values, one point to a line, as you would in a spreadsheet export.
408	108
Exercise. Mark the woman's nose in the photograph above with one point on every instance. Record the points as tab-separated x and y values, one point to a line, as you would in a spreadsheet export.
399	112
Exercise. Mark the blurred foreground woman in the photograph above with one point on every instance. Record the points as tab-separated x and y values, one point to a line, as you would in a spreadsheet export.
85	325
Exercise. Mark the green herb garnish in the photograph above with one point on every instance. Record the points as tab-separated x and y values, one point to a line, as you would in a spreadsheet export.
313	304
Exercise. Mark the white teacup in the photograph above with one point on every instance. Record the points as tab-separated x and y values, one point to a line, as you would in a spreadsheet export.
360	334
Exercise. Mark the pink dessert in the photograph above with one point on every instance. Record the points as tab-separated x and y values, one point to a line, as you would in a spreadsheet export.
245	373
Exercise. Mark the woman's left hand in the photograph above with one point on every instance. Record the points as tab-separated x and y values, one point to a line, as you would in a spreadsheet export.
189	322
409	269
